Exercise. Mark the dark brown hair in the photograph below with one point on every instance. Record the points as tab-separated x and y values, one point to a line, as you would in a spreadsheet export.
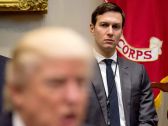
106	7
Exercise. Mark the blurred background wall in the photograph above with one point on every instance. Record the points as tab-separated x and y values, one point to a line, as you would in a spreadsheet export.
67	13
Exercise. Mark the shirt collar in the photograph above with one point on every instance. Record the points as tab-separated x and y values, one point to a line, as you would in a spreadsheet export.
17	120
100	58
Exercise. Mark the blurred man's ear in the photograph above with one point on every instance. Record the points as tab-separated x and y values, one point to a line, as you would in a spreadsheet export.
16	93
92	27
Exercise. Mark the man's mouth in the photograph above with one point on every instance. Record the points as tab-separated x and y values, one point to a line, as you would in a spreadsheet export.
109	41
69	120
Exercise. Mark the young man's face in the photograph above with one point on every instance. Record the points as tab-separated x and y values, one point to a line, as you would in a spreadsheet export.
107	31
57	94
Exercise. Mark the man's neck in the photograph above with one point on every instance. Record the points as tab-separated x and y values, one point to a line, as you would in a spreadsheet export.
106	54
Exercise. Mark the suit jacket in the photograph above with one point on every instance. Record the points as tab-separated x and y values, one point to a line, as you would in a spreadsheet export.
3	61
136	95
6	119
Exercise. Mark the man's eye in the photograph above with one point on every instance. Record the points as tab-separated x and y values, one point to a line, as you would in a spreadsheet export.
116	26
82	82
55	82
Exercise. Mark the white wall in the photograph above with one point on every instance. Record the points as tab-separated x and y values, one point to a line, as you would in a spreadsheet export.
68	13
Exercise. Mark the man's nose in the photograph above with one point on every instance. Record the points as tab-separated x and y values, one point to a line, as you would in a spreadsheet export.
72	93
110	31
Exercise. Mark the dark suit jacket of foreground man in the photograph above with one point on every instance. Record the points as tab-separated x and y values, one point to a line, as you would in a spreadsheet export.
6	119
3	61
136	95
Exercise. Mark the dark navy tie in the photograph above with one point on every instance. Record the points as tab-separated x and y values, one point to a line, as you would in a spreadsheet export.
112	99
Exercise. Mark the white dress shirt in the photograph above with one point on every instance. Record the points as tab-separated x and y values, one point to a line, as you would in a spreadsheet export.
115	67
16	120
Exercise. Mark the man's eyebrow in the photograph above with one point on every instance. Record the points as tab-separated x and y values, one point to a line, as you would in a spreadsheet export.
117	24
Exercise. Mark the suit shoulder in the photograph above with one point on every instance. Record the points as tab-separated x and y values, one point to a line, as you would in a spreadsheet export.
132	66
6	119
3	60
130	63
3	57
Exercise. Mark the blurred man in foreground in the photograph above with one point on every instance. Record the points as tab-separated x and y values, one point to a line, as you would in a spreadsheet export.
47	80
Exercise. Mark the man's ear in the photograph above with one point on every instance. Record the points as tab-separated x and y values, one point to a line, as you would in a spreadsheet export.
92	27
17	96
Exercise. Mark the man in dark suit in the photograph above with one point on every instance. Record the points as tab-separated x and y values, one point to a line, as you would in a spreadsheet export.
47	80
3	61
120	90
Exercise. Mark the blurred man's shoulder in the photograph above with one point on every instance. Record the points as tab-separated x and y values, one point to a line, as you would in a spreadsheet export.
3	59
6	119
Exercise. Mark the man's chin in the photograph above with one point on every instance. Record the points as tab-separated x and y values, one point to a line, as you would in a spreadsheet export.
110	48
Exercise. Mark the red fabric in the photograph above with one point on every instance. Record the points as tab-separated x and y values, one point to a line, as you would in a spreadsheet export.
144	19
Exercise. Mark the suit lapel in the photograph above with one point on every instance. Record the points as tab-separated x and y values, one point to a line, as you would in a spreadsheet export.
99	90
125	88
